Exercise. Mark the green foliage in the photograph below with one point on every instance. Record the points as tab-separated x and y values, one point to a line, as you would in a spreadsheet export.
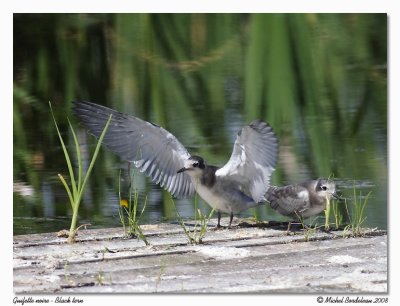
327	213
195	235
308	230
357	214
128	211
337	213
78	187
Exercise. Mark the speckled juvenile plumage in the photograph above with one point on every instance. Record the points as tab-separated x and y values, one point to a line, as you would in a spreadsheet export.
305	199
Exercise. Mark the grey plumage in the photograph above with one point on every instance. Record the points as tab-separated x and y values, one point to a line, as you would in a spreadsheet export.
240	184
155	151
301	200
253	159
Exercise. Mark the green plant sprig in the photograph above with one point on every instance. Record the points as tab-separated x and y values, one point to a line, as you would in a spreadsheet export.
200	226
357	216
129	214
77	187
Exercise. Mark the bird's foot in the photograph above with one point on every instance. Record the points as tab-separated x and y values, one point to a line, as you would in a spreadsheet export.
218	227
293	226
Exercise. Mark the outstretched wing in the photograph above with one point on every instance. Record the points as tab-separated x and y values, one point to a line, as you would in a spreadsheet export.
288	200
155	151
253	159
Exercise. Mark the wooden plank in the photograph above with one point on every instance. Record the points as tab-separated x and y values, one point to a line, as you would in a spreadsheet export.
253	259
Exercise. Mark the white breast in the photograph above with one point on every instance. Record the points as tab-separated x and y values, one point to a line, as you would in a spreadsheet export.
214	200
223	197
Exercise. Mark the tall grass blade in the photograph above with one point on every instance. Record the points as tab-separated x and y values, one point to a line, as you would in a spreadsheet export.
70	168
71	199
120	206
96	152
78	156
327	213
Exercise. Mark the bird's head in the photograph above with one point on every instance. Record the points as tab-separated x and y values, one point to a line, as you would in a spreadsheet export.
326	188
194	164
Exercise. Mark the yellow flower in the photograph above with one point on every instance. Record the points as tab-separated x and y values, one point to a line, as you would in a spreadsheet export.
124	203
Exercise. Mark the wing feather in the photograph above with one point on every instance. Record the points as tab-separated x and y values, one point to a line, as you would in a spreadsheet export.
288	200
154	151
253	159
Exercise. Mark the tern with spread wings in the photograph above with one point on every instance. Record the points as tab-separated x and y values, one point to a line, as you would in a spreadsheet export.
240	184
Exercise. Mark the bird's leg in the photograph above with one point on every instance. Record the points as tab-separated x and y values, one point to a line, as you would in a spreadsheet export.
219	220
230	220
288	227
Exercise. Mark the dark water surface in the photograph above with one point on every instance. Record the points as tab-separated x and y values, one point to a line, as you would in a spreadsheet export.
320	80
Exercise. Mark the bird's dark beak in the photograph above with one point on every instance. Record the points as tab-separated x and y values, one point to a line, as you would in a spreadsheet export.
336	196
182	170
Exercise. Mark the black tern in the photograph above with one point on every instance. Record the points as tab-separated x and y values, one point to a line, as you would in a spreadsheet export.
240	184
301	200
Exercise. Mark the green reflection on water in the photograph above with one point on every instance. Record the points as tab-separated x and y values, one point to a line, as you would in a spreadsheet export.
319	79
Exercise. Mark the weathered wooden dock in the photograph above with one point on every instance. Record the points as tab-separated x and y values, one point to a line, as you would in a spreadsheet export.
241	259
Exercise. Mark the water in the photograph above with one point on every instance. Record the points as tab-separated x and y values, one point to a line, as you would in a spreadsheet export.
202	77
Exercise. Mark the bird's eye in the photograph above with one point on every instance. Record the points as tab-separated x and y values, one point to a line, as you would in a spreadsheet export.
324	188
196	164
